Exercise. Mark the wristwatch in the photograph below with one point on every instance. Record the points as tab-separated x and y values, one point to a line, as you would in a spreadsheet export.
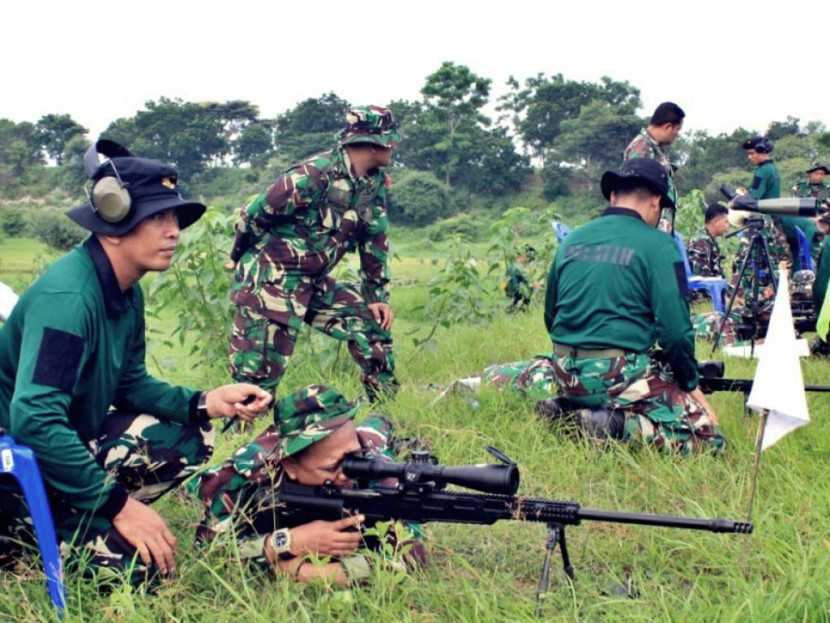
281	543
201	408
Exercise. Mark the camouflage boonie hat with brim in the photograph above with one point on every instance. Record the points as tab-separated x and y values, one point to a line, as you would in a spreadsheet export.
819	165
370	124
310	415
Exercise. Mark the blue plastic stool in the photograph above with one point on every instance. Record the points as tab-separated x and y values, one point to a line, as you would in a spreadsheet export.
560	230
19	461
805	260
713	285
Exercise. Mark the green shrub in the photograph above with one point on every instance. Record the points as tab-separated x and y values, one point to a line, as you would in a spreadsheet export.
53	228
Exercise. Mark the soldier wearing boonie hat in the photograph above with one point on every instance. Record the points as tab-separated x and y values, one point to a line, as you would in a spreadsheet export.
313	430
290	238
74	387
616	288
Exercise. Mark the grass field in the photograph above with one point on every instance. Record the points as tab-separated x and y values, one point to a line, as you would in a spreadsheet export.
476	573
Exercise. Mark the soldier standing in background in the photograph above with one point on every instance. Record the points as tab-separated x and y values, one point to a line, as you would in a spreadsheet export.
653	141
290	238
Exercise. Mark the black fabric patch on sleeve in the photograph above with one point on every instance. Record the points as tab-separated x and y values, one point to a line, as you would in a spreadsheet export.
680	275
756	182
58	359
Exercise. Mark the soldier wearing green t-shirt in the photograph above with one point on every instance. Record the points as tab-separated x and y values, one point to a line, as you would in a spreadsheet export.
109	438
616	289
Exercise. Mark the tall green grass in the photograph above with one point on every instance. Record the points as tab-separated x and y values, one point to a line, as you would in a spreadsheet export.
477	573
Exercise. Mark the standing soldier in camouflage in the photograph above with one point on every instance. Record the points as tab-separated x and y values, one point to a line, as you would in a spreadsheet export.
618	286
290	238
314	430
108	437
516	286
814	186
705	257
653	141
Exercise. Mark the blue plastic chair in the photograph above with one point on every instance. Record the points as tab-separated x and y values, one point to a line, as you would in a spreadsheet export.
805	260
713	285
560	230
19	461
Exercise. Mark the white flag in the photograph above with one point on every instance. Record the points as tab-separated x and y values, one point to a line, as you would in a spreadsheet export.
778	384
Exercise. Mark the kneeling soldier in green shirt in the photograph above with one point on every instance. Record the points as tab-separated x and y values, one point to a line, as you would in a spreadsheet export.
616	288
108	437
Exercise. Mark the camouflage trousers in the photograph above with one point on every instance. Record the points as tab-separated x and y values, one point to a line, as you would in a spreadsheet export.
238	495
148	457
533	377
657	412
261	344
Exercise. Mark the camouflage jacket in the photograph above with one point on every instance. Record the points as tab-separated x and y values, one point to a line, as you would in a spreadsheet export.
308	219
644	146
820	191
705	256
516	282
238	492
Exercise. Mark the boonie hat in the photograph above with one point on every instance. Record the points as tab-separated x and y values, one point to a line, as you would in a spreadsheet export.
310	415
650	172
816	166
370	124
151	186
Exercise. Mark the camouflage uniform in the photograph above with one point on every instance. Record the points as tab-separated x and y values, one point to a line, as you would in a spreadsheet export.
517	287
820	191
238	495
644	146
289	239
705	256
657	412
143	454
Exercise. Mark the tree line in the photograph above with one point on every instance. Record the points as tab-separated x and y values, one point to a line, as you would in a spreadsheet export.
560	132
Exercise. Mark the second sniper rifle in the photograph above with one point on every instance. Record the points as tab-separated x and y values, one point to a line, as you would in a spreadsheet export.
420	496
711	380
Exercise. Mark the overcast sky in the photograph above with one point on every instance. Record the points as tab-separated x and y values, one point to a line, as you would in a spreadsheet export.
728	64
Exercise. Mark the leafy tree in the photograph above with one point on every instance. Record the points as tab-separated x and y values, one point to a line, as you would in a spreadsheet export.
418	198
255	143
54	132
597	137
453	98
53	228
779	129
189	135
310	127
538	109
703	156
19	146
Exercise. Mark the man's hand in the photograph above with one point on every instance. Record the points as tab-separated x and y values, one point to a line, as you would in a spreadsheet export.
145	530
700	397
243	400
327	538
382	314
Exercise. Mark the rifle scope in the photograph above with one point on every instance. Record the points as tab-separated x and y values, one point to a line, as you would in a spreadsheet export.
489	478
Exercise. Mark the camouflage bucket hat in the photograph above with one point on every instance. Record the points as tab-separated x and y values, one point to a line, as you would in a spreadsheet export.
369	124
310	415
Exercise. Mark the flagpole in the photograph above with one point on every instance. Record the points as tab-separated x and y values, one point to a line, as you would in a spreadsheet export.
759	443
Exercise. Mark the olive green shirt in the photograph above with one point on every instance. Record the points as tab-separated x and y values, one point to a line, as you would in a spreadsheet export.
72	348
619	283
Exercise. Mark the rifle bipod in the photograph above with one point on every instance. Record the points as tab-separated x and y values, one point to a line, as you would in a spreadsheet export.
556	534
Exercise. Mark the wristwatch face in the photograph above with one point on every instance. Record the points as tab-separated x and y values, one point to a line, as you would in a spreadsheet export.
281	541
